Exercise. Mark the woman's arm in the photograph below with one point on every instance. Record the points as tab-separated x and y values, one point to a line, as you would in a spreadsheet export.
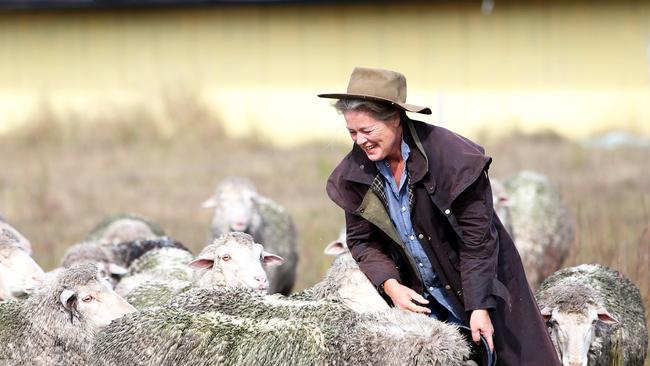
478	245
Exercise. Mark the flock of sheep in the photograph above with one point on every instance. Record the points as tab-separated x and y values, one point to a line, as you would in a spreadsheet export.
129	295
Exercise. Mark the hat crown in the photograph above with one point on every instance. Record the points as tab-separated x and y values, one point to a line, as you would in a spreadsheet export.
385	84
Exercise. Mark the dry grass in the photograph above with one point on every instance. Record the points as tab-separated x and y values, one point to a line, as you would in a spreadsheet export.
62	175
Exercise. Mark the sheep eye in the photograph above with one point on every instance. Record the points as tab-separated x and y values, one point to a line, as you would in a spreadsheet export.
225	257
88	298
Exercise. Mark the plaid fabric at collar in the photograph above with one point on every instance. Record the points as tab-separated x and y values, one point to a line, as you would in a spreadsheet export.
378	187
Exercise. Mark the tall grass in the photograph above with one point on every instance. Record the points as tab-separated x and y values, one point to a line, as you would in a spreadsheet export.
64	172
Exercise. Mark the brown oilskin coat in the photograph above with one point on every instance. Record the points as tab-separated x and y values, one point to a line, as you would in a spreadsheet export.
453	217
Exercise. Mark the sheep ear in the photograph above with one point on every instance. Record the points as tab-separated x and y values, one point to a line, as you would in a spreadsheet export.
605	317
335	248
202	263
271	260
505	201
67	298
210	203
546	313
116	269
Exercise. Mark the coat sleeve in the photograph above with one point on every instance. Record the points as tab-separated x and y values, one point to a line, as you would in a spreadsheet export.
478	246
368	251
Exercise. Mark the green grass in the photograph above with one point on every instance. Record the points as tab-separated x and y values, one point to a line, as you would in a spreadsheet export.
62	175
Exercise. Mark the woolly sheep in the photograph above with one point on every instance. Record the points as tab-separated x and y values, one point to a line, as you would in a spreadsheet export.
539	223
56	325
345	283
124	228
232	260
19	273
238	207
595	316
114	259
98	254
161	265
240	327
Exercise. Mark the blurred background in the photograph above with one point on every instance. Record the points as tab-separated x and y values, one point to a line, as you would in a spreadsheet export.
144	105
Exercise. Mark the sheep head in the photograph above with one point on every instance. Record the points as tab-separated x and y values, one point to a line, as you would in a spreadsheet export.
84	294
234	204
573	320
234	260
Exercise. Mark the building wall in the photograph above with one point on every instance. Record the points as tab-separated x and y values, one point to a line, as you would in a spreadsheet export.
577	67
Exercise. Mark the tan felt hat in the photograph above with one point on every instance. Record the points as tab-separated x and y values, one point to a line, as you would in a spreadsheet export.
378	85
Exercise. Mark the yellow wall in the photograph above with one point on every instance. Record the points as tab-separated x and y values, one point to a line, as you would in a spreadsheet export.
575	66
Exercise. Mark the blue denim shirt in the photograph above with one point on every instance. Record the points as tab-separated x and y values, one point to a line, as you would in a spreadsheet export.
400	213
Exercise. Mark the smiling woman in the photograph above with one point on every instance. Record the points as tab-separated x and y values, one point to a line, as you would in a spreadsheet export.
419	222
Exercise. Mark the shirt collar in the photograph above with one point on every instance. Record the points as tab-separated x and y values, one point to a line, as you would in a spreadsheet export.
406	151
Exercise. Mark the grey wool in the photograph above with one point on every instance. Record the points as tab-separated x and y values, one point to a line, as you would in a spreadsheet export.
122	254
576	290
345	283
38	331
156	277
239	327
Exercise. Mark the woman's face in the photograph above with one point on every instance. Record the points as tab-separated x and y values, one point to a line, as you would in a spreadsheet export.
379	139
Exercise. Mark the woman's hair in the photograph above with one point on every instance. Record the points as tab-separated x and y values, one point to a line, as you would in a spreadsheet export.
378	110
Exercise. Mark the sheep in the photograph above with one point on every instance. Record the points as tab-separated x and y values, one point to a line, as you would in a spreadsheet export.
114	259
100	255
232	260
595	316
345	283
124	228
9	234
230	326
56	325
538	221
19	273
166	266
238	207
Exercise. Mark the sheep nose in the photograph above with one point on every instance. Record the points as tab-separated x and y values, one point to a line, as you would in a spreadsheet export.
261	279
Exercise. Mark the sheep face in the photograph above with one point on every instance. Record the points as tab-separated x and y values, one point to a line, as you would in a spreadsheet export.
235	264
127	230
234	207
95	302
19	274
574	333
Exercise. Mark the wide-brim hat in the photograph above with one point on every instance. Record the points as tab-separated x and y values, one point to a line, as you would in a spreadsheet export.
378	85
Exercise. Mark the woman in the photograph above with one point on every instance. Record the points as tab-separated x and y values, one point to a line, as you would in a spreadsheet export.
420	221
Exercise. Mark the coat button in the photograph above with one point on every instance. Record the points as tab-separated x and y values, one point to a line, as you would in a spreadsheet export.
447	212
420	236
447	287
361	166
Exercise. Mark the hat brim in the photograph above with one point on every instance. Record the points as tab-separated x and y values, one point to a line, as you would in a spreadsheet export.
403	106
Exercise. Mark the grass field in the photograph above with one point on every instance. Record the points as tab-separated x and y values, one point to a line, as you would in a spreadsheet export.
59	178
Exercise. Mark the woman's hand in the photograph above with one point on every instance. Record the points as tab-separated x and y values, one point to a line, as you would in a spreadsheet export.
480	324
404	298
